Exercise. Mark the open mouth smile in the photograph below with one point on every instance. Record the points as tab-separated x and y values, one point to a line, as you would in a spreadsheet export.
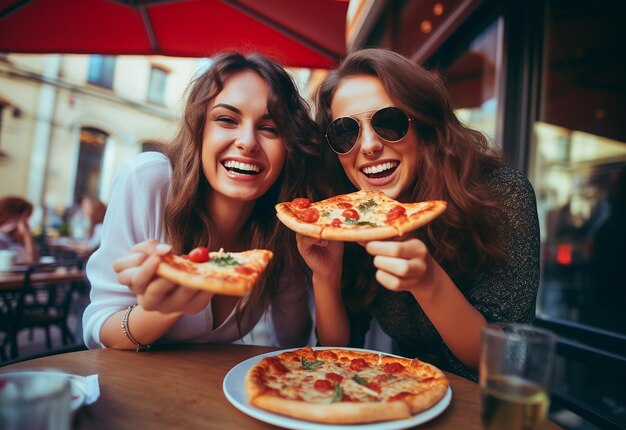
381	170
241	168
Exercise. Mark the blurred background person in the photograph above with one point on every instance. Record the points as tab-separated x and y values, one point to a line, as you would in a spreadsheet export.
14	229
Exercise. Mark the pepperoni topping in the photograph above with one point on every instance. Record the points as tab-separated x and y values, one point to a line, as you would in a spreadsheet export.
344	205
277	365
336	222
395	212
309	215
244	270
199	255
301	203
333	377
323	385
358	364
350	213
393	367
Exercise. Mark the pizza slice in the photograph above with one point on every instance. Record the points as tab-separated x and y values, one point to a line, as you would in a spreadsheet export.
228	273
360	216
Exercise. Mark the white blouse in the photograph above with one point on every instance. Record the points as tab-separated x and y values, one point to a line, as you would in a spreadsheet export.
135	214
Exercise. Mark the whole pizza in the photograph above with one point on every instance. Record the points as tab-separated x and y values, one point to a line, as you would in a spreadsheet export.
359	216
344	386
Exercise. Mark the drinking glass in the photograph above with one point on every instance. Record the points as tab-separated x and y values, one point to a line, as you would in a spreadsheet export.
515	370
34	401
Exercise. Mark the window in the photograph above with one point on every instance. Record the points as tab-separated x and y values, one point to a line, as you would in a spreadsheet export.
156	87
88	174
151	146
579	165
101	70
473	81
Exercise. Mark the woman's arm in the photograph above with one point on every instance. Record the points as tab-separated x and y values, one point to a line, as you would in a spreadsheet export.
324	258
408	266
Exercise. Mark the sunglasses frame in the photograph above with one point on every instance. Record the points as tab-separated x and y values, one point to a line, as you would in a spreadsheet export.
358	121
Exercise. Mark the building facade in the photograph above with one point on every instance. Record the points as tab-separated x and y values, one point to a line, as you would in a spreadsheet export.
68	122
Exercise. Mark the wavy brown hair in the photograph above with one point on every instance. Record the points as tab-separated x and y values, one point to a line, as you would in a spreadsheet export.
453	158
188	223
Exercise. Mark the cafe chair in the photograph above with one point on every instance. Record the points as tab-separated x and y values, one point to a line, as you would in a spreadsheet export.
43	304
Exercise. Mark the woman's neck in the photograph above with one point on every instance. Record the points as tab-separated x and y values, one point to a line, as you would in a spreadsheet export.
229	217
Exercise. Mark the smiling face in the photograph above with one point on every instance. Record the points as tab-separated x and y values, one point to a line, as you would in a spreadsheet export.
242	152
375	164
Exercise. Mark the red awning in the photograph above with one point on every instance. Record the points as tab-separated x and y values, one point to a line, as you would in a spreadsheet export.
298	33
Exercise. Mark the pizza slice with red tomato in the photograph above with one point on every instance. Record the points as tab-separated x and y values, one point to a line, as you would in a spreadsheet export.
359	216
228	273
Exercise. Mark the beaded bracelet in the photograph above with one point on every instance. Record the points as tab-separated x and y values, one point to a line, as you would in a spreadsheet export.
127	333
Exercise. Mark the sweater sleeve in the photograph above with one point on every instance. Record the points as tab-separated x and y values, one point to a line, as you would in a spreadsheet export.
134	214
508	291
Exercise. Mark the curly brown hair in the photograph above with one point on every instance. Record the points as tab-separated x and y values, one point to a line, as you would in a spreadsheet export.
453	158
187	222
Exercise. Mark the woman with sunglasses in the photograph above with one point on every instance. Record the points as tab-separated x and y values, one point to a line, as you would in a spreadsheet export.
390	127
244	141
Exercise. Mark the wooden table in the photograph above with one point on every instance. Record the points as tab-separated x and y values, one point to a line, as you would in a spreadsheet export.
181	387
14	280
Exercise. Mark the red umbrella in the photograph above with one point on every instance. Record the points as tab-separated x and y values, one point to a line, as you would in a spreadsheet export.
299	33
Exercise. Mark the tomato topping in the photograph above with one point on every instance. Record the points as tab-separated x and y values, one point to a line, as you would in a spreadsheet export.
344	205
276	364
358	364
395	212
322	385
373	386
301	203
199	255
380	379
244	270
336	222
399	396
346	398
393	367
309	215
350	213
334	377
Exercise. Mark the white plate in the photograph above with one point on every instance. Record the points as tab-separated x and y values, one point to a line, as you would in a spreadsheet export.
235	393
78	395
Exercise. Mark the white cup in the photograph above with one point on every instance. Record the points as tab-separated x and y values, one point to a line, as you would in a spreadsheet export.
7	259
34	401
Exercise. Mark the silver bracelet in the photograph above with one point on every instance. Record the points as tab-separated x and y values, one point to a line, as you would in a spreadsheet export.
127	333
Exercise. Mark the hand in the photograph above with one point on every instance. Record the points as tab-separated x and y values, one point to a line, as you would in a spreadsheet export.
402	266
137	270
323	257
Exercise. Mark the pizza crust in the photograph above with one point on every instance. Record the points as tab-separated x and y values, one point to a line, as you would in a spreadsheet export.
289	218
334	413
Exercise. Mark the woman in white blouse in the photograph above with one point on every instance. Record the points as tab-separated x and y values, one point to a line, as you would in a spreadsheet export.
245	142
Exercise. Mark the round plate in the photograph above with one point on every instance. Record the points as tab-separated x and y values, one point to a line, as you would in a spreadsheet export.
234	391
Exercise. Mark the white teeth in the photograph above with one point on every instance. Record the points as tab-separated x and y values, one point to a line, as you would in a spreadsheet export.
369	170
232	164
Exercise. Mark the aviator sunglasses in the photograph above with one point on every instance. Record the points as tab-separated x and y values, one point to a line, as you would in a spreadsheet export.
389	123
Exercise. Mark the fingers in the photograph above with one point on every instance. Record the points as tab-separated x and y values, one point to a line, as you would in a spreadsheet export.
137	277
165	297
401	267
407	249
305	242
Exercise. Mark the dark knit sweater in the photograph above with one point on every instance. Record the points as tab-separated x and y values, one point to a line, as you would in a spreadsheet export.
504	291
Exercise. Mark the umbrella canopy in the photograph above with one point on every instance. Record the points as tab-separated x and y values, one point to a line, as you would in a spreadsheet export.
298	33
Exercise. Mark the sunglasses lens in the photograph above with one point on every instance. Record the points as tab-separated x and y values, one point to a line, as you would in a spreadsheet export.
390	123
342	134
